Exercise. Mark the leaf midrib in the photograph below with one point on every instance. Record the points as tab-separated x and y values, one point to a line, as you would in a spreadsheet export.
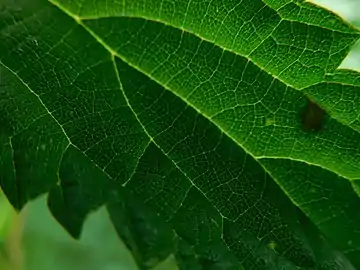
116	54
70	143
78	20
113	55
150	137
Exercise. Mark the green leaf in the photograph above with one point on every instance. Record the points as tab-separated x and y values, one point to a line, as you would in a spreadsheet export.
186	119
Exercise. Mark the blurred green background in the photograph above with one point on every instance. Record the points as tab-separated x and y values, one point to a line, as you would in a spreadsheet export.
350	11
33	240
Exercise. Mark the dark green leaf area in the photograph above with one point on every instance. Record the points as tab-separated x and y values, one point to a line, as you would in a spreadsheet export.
284	37
165	188
36	155
31	142
326	198
212	257
186	256
211	181
6	120
147	236
83	187
339	95
312	117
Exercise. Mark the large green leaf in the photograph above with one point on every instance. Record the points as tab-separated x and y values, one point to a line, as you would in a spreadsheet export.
186	119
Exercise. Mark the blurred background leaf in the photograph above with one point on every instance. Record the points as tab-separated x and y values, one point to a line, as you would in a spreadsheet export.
10	237
350	11
46	245
49	246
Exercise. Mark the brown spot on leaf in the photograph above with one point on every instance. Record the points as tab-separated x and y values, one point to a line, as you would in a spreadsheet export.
312	117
